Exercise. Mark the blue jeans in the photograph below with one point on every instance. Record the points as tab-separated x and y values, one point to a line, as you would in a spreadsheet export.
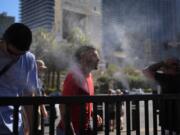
21	132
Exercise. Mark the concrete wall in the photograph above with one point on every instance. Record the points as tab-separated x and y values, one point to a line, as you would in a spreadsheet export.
89	11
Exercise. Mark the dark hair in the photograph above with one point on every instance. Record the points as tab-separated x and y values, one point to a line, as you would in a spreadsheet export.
82	50
19	35
175	64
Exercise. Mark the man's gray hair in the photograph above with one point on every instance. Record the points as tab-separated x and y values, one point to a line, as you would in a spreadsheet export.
82	50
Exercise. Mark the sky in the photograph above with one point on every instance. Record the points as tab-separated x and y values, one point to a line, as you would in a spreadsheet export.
11	7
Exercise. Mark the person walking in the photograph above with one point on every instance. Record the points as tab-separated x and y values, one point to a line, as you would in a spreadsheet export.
18	73
79	81
42	109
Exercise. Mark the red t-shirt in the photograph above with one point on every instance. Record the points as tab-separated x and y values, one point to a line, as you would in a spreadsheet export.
75	84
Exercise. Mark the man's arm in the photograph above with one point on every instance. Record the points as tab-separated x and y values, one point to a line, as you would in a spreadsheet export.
99	119
31	90
28	118
150	71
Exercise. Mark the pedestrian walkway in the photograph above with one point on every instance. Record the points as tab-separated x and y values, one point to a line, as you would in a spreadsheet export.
123	132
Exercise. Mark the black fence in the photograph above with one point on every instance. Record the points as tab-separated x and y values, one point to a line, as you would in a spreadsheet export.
148	103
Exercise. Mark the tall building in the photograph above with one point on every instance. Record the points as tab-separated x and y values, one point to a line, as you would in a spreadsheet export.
5	21
37	13
143	29
63	16
178	19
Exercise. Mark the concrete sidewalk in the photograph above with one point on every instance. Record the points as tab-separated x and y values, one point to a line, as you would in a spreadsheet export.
123	132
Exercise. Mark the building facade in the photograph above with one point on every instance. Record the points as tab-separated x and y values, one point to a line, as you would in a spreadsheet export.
5	21
63	16
142	29
37	13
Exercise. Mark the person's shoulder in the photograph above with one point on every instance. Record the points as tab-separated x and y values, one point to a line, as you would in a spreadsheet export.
73	79
29	59
69	76
30	55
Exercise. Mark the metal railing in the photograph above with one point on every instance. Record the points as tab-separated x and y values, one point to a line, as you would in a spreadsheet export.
148	103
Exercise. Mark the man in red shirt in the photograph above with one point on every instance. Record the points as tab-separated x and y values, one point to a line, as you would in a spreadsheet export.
79	81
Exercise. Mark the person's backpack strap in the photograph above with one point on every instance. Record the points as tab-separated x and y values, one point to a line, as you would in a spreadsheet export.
7	66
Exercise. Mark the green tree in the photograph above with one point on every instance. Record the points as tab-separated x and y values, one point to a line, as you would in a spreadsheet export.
57	54
76	36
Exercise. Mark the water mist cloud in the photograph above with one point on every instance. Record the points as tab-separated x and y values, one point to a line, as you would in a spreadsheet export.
129	33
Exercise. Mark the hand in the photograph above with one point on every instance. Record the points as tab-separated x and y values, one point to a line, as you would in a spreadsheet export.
44	111
45	114
119	92
99	121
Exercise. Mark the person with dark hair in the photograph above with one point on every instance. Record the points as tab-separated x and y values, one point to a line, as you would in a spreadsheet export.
167	74
79	81
18	73
19	36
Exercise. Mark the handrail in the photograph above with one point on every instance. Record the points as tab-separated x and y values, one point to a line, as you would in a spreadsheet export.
79	99
97	99
82	99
